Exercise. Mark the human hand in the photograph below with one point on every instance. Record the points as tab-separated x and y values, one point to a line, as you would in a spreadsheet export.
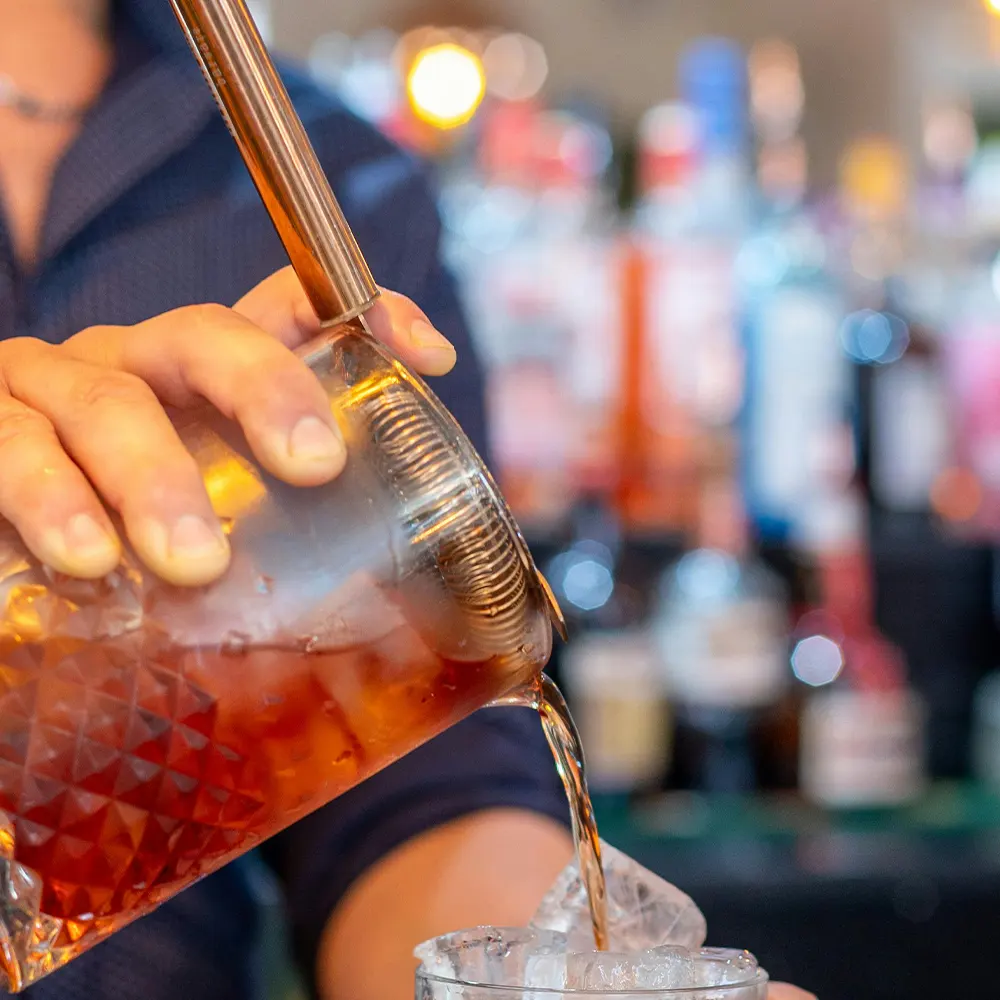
782	991
83	422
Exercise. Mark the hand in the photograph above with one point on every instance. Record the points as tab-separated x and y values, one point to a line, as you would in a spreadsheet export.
781	991
84	422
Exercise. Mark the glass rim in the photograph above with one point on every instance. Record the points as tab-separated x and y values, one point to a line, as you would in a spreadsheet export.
760	979
556	939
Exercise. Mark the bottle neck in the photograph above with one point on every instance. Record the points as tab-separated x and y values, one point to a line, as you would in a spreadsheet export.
846	588
722	522
871	662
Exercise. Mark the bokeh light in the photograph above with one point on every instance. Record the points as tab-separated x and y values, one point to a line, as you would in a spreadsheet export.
583	576
949	138
777	95
874	338
446	85
875	178
957	495
516	67
817	661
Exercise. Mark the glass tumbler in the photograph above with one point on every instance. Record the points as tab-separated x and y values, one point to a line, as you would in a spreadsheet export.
491	963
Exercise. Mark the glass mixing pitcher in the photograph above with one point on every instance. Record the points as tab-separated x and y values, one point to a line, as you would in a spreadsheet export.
150	734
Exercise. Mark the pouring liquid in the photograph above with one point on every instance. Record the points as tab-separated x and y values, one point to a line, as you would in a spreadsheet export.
564	740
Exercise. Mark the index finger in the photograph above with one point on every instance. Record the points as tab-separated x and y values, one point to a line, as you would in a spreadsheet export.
280	306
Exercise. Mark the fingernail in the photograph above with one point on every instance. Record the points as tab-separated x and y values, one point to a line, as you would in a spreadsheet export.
191	552
194	538
88	540
83	546
424	336
313	441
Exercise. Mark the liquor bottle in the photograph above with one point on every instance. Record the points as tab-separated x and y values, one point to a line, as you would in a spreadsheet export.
777	102
721	630
688	227
533	239
967	496
895	339
862	737
798	381
609	669
986	733
621	709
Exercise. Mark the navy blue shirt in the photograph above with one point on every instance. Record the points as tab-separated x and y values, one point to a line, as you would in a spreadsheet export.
152	209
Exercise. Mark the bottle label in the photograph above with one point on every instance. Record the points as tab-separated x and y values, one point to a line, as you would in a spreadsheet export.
620	708
910	433
863	748
737	659
694	359
799	393
972	365
584	286
549	314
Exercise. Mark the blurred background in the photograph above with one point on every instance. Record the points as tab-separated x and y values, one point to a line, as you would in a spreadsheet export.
733	271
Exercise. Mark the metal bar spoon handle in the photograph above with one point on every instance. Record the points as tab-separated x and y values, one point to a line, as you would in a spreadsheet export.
280	157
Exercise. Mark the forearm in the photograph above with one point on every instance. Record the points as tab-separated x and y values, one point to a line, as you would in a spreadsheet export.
489	868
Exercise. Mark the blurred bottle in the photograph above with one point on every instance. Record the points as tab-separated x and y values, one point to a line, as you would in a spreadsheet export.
621	709
609	670
949	148
905	422
986	733
777	103
714	84
586	572
799	387
662	315
721	630
862	740
966	496
532	238
905	294
798	382
686	361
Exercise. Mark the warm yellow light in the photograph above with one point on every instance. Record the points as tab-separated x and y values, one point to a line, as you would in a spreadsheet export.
446	85
992	7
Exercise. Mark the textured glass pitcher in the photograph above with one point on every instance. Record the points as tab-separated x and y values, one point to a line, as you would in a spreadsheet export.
150	734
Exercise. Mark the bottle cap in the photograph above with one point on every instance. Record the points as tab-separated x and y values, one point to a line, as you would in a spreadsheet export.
713	83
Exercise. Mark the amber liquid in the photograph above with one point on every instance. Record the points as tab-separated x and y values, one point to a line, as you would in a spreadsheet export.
560	730
128	769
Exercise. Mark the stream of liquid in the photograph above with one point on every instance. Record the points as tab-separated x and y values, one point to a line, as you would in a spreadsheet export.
564	739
